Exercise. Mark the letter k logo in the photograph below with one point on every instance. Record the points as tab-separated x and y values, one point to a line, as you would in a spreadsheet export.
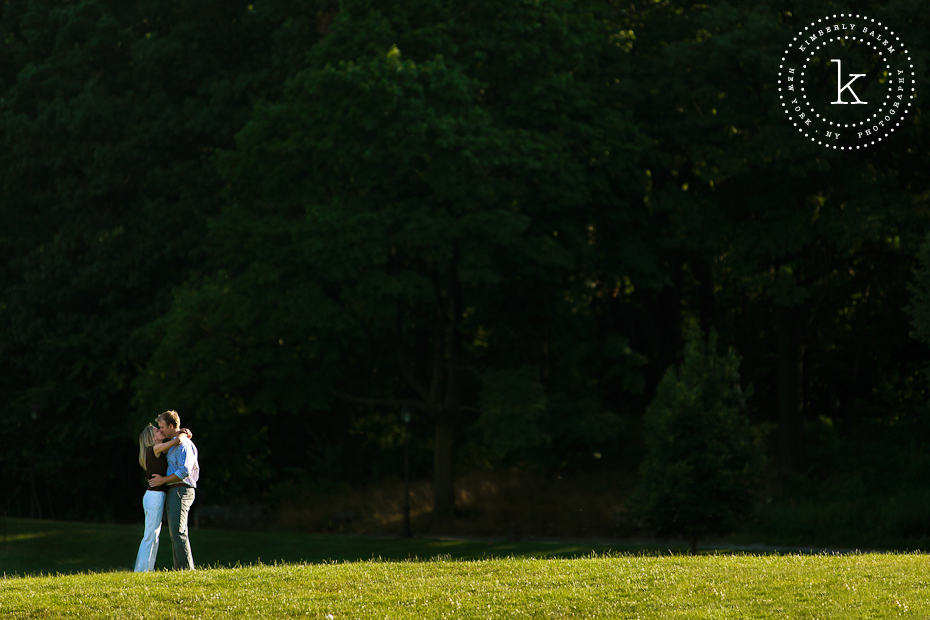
839	80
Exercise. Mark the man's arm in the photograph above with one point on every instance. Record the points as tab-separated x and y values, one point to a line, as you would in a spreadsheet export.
178	462
157	481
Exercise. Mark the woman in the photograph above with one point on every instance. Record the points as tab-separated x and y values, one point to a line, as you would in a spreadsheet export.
152	448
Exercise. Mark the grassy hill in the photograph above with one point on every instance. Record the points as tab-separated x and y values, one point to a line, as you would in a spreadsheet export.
704	586
319	576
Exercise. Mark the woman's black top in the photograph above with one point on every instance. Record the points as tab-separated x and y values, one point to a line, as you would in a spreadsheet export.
155	465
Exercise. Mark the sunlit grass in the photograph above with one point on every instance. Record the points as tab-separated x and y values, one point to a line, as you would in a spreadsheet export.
622	586
319	576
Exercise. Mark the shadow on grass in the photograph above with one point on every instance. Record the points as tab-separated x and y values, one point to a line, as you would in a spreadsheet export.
47	547
31	547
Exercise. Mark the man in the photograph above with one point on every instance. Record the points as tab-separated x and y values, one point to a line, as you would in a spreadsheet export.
181	478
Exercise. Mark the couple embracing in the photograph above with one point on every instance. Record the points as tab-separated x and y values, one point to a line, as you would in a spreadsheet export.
169	459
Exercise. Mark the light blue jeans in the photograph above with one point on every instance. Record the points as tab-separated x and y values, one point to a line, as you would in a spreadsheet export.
153	503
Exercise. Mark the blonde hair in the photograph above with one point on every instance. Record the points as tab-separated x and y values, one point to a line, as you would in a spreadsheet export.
146	440
171	418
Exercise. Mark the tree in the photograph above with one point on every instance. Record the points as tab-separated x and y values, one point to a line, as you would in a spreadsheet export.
919	288
108	122
701	465
797	257
415	210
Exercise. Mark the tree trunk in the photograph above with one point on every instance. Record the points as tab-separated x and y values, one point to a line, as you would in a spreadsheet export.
448	413
443	492
789	380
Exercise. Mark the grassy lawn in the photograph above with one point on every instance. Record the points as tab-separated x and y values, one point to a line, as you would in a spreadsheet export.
358	577
704	586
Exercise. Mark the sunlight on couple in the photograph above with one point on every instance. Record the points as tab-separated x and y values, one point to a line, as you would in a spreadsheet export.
169	459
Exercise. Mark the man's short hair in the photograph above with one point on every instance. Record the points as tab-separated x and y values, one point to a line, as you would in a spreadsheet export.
171	418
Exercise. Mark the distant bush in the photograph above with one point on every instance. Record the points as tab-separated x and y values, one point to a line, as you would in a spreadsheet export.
701	464
864	486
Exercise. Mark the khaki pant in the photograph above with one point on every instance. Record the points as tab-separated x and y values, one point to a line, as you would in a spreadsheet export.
179	501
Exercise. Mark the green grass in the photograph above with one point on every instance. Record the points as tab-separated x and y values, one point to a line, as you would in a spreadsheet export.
367	577
704	586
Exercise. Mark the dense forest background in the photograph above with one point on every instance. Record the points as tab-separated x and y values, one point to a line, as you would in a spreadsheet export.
297	221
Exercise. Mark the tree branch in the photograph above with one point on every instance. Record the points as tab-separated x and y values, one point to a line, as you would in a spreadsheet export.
392	403
405	368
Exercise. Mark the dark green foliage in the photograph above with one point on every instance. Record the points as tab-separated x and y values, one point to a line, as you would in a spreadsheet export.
512	404
290	219
919	288
400	225
701	463
109	116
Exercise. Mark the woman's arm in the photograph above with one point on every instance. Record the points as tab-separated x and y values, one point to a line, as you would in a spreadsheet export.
161	448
